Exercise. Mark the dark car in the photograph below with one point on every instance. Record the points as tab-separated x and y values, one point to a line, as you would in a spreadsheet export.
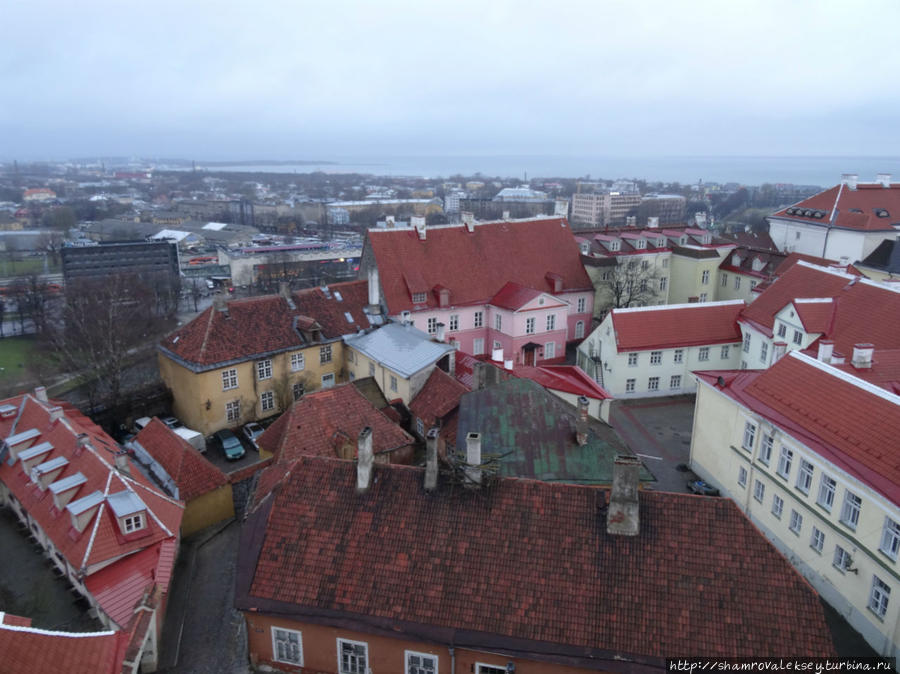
230	444
702	488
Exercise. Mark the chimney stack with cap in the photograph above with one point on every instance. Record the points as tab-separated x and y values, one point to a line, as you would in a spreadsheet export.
826	350
884	179
374	291
41	394
468	219
365	459
779	349
862	356
473	460
122	463
622	516
497	355
418	223
581	423
431	459
439	335
56	413
850	179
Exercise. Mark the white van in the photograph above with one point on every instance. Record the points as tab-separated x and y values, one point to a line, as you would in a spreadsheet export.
193	438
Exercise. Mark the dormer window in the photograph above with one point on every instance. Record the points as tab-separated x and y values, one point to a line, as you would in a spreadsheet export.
133	523
640	244
614	245
660	243
418	298
682	241
129	510
585	248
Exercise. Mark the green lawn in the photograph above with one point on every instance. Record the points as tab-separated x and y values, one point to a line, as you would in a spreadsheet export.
13	353
27	265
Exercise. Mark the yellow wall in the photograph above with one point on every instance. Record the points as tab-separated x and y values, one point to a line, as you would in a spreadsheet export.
358	368
687	277
192	390
207	509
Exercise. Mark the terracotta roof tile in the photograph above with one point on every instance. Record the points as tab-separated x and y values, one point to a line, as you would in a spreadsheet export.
439	396
26	649
567	378
855	208
529	560
677	325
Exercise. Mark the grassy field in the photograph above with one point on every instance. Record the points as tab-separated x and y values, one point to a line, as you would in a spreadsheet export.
25	266
13	353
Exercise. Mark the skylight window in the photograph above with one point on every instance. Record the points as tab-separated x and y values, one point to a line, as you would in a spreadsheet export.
348	316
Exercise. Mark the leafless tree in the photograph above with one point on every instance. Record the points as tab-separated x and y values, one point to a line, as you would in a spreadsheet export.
630	283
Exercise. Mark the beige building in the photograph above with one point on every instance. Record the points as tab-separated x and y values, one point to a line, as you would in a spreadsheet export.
602	209
806	449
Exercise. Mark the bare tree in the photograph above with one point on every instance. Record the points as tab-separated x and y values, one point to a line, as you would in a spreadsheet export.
630	283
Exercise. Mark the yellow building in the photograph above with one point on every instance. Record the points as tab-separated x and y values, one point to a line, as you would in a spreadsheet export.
244	360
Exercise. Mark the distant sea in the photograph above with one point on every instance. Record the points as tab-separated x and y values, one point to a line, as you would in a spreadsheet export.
822	171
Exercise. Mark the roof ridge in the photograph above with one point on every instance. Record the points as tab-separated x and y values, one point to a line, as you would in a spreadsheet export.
689	305
212	313
847	377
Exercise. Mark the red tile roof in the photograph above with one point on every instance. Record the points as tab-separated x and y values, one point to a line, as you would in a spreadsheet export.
320	423
192	474
567	378
524	560
856	208
101	541
476	265
439	396
677	325
256	326
513	296
884	372
794	258
816	315
830	411
36	651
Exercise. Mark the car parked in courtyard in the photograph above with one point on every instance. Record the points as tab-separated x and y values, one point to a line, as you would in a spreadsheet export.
230	444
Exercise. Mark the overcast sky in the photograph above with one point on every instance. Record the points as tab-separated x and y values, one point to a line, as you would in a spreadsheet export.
313	80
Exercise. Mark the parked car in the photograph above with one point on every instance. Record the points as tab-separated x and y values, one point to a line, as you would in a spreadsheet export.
702	488
252	431
230	444
171	422
139	424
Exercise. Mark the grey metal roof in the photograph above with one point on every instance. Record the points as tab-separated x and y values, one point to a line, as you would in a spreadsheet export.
86	503
37	450
70	482
401	348
23	436
52	464
125	503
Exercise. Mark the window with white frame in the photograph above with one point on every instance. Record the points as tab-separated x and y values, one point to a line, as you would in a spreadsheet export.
353	656
726	352
842	559
551	322
749	436
550	350
287	646
655	357
419	298
529	325
878	598
782	329
371	369
498	322
632	359
747	343
796	522
432	325
393	383
765	448
298	362
890	538
421	663
267	401
233	410
742	476
679	355
629	385
675	381
763	351
759	491
328	380
850	510
805	476
478	319
133	522
663	283
324	354
817	540
777	505
489	669
703	297
420	427
645	265
798	337
653	384
581	305
264	369
724	280
229	379
703	353
827	488
454	322
477	346
737	282
704	277
579	329
784	461
297	390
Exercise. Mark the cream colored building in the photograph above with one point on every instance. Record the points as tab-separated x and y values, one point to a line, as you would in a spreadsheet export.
807	450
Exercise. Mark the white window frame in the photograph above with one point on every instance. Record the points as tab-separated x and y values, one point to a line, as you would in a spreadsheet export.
549	350
233	410
704	277
890	538
327	380
579	329
796	523
653	384
229	379
842	559
763	351
742	476
749	436
530	325
827	492
663	283
484	668
478	346
297	390
629	385
851	509
759	491
805	476
777	505
414	669
275	655
747	343
264	369
394	383
798	338
656	357
782	330
371	369
679	356
785	461
703	354
355	669
879	596
298	361
132	523
632	359
478	319
766	445
325	354
581	305
737	282
419	298
453	323
267	401
817	539
724	280
432	325
726	352
498	322
551	322
420	427
675	381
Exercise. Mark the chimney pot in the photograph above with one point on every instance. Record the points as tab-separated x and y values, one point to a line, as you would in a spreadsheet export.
122	463
365	459
468	219
862	356
473	459
431	459
622	516
850	179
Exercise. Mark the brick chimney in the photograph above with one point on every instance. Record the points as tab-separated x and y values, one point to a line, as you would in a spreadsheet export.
581	423
862	356
826	349
622	516
41	393
365	459
473	460
431	459
653	222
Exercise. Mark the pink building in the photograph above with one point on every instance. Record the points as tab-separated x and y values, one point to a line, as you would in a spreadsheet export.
516	285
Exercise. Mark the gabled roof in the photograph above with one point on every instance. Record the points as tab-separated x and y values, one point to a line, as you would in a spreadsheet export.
816	314
28	649
766	262
329	305
567	378
831	411
856	209
439	396
524	563
192	474
513	296
793	258
321	423
476	265
401	348
885	257
676	325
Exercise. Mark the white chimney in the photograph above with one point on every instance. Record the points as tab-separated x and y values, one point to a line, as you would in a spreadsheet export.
622	516
884	179
468	219
561	208
374	291
473	459
508	364
419	224
653	222
826	349
122	463
779	349
451	363
506	215
56	413
850	180
41	393
431	459
700	219
862	356
631	221
365	459
497	355
389	222
581	423
440	332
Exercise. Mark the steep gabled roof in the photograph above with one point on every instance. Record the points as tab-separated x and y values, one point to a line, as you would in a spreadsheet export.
816	314
439	396
475	265
567	378
677	325
524	562
513	296
870	207
321	423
